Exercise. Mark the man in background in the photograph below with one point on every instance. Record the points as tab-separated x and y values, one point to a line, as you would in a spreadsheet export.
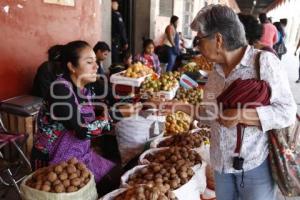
100	87
118	31
101	50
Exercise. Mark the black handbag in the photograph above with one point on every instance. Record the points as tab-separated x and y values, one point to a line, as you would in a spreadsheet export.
280	48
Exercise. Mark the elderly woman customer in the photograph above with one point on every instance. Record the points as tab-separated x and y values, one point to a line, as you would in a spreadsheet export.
222	40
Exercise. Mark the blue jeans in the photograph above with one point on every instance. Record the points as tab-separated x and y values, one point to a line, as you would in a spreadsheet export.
172	55
258	184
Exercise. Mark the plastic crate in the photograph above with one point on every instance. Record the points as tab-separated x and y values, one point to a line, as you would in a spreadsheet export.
169	95
122	80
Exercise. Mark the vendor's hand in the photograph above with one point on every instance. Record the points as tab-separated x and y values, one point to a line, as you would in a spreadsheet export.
230	118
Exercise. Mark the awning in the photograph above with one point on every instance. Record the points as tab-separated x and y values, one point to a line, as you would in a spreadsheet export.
274	5
257	6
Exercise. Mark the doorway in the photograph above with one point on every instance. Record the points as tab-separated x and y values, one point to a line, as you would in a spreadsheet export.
126	9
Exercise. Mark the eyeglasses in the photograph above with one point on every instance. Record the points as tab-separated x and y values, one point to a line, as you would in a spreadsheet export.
206	36
198	39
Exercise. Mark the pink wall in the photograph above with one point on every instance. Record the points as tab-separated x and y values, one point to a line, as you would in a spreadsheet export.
30	27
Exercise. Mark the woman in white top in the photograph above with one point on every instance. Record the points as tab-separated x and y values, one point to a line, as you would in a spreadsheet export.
222	40
171	41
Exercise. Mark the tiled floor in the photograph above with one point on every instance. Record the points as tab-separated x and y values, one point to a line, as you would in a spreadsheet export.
291	64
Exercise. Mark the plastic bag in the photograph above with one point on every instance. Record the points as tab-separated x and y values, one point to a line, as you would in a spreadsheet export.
132	135
208	195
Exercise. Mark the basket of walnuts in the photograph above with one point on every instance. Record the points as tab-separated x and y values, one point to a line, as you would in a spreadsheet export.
66	180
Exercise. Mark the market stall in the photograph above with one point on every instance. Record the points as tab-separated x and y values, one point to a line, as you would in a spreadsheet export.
171	149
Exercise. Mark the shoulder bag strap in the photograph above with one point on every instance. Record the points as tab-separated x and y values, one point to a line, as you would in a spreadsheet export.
240	127
257	64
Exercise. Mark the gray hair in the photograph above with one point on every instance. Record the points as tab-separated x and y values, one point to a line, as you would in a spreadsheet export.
221	19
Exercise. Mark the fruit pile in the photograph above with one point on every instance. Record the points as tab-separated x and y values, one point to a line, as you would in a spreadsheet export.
169	177
137	70
192	96
175	74
175	155
68	176
166	82
190	67
178	122
202	63
151	85
187	140
146	193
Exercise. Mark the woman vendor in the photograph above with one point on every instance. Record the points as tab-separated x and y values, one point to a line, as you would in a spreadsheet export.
67	121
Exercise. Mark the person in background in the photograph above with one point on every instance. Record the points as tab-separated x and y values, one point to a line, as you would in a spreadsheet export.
298	46
119	37
101	50
47	72
196	41
99	88
127	61
148	57
182	47
279	47
254	32
109	99
270	19
67	121
223	42
171	42
269	37
283	23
